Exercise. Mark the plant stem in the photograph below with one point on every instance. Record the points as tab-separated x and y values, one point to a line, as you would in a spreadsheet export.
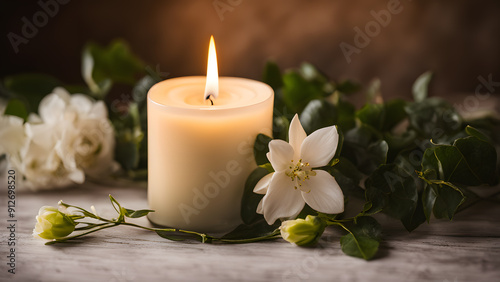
79	235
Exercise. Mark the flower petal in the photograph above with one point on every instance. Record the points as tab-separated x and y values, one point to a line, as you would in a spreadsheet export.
280	154
319	147
263	184
282	199
324	193
259	207
296	136
81	103
51	108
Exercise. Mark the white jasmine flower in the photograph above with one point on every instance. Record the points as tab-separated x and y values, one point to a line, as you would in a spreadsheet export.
294	181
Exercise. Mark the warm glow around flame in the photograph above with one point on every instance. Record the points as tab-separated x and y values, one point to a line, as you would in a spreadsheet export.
212	85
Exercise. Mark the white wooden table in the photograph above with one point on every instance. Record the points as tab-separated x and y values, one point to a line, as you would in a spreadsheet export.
467	249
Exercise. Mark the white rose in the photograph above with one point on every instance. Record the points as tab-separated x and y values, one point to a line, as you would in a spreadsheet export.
94	142
71	137
11	134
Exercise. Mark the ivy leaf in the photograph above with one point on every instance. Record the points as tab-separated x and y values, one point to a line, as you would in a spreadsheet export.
415	217
345	115
31	88
168	235
280	127
391	189
398	143
129	137
298	92
448	199
469	161
272	76
258	228
136	213
360	147
428	200
114	63
471	131
16	107
318	114
347	86
363	240
434	118
348	177
251	200
421	85
364	148
383	117
260	149
268	167
373	115
394	113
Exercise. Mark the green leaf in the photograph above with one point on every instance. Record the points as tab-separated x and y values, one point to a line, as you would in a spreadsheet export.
345	115
448	199
394	113
434	119
377	152
170	235
280	127
16	107
416	217
298	92
251	200
136	213
141	88
428	200
421	85
258	228
113	63
398	143
391	189
129	137
260	149
118	208
348	177
363	239
139	95
364	147
31	88
469	161
318	114
471	131
373	115
347	86
272	75
383	117
268	167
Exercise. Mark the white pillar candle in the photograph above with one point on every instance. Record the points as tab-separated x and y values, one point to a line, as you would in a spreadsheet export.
200	155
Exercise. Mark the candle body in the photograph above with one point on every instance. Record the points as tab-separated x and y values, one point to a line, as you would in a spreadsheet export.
199	155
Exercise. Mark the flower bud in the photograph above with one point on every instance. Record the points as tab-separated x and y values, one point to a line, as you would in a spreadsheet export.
303	232
52	224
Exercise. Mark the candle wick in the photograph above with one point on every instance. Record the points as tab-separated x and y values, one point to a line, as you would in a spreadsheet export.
209	97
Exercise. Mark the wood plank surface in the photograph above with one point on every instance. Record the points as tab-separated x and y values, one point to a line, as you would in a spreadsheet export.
467	249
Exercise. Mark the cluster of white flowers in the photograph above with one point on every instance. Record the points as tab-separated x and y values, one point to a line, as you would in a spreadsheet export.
70	138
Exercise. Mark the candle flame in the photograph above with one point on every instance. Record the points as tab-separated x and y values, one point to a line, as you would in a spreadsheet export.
212	85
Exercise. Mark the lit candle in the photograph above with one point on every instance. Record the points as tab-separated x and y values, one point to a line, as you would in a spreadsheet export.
200	147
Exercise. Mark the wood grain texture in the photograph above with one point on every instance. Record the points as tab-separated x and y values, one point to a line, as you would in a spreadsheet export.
467	249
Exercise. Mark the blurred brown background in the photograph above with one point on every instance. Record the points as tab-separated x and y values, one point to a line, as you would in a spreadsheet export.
457	40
